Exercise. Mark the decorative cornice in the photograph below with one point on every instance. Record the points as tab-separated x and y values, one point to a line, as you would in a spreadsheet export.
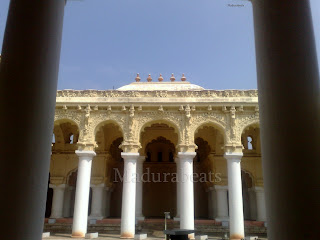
164	94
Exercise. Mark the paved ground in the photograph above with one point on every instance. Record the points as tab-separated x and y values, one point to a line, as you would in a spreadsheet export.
60	236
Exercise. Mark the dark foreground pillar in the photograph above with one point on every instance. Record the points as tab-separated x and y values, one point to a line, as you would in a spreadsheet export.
28	83
288	84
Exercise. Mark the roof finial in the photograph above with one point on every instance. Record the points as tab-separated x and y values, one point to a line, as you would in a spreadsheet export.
160	78
137	78
183	79
172	78
149	79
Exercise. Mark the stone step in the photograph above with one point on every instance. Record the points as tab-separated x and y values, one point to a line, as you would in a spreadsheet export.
155	227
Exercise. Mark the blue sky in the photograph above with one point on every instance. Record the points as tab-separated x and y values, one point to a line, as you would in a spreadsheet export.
106	42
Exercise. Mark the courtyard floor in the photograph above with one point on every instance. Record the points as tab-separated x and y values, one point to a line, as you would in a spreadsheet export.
58	236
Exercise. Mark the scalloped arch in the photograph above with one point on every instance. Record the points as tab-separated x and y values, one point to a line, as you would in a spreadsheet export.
159	120
215	124
108	121
65	120
249	123
250	175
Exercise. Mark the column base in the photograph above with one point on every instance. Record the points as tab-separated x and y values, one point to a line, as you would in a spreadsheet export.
141	218
95	217
222	219
176	219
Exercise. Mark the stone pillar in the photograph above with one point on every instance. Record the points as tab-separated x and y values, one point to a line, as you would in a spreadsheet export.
177	217
235	195
253	204
67	201
128	195
288	75
97	202
187	193
210	202
29	73
108	201
261	205
57	200
222	203
80	215
139	191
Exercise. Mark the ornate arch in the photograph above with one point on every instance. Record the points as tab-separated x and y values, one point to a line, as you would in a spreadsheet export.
93	120
68	115
253	179
108	121
149	119
71	172
209	122
247	122
63	120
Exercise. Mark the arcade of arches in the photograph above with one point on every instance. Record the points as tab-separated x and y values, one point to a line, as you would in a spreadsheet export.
161	136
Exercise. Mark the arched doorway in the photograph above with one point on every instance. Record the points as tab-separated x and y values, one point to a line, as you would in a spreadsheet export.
252	169
201	185
116	171
247	184
208	161
159	140
109	136
159	191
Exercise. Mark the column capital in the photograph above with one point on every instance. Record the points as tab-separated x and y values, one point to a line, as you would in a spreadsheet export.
141	159
233	156
60	186
130	147
101	185
220	188
129	156
84	153
186	155
258	189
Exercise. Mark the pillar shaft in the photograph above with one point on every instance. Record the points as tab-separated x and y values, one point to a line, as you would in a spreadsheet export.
129	195
80	215
261	205
97	202
210	203
177	217
67	202
187	193
57	200
288	75
222	203
235	195
253	204
108	201
28	74
139	191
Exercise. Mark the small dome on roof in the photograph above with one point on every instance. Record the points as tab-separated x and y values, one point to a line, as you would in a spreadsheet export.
158	86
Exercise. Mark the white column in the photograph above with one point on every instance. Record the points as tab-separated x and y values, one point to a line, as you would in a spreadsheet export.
104	201
222	203
210	202
97	202
177	217
261	205
80	215
128	195
108	201
67	202
187	193
57	200
139	191
235	195
253	204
